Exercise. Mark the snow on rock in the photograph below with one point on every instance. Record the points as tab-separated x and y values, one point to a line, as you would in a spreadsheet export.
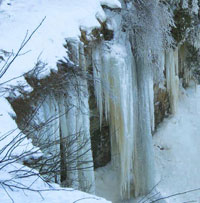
111	3
195	6
63	19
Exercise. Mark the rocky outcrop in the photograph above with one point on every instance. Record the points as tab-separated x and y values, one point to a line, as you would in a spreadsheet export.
161	104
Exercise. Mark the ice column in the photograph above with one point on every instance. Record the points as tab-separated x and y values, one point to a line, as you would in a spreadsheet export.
171	64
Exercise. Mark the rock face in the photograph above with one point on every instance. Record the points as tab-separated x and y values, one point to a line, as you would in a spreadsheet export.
55	115
107	100
161	104
101	146
100	136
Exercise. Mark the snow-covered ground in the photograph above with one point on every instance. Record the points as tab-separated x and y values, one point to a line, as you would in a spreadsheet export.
44	193
177	156
177	150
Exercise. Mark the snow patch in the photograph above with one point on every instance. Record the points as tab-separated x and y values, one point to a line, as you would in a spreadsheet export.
111	3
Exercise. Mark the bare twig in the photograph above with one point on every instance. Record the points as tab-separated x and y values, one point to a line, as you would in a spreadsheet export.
23	44
177	194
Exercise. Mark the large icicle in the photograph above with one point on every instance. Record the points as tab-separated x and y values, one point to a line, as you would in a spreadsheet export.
171	63
68	141
143	159
124	86
118	92
79	115
86	174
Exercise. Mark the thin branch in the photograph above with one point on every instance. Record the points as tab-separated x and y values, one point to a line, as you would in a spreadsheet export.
7	193
23	44
78	200
177	194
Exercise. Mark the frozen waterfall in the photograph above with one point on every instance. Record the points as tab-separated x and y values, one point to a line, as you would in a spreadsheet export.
124	89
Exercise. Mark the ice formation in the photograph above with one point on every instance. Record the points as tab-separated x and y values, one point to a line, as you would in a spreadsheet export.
171	63
64	117
124	92
113	80
68	125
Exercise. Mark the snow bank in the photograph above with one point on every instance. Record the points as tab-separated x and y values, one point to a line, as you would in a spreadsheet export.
63	19
39	190
177	150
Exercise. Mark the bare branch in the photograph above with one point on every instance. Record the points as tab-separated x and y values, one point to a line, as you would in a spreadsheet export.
23	44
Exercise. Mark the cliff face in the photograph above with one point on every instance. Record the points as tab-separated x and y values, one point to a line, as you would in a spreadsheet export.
133	68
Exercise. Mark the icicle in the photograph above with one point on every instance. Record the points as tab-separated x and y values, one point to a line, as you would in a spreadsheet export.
97	81
116	84
151	103
129	103
55	135
87	173
47	137
171	62
143	162
68	141
78	121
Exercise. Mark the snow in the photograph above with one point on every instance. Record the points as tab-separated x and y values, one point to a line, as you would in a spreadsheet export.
184	4
47	193
63	20
177	149
195	6
111	3
106	178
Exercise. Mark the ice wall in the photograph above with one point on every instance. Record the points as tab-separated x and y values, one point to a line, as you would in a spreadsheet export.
124	92
67	137
113	82
57	118
124	81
